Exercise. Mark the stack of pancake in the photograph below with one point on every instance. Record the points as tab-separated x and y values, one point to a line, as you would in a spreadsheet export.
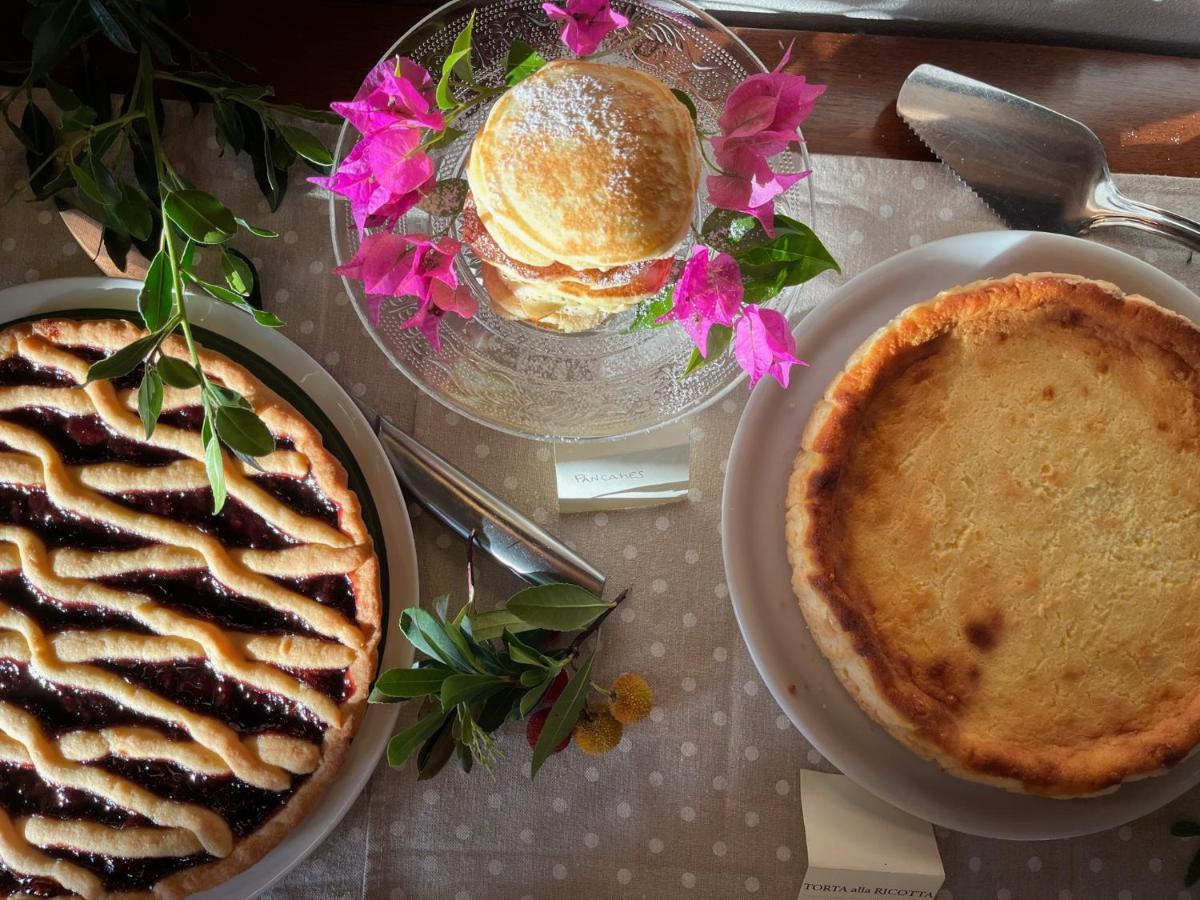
583	184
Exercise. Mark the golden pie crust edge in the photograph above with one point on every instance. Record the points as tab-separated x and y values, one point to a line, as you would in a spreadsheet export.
283	419
845	635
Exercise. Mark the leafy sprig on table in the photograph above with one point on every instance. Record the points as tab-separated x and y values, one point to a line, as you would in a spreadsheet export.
111	165
483	669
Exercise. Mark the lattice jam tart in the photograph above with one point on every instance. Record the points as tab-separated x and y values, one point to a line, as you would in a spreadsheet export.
176	688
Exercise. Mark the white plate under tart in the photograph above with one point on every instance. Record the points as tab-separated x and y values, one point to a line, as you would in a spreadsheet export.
759	576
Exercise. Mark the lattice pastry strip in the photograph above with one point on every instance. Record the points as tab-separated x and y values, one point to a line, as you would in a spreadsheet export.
221	653
184	792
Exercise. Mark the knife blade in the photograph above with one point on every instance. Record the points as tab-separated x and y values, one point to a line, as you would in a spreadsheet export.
468	508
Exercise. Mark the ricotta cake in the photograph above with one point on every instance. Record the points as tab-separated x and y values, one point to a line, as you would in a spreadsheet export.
992	525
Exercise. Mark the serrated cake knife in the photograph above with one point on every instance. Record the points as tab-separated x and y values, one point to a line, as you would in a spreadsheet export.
1037	169
468	508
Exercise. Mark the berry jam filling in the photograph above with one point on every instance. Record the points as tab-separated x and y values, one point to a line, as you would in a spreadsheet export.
186	418
333	683
54	615
334	591
17	371
194	685
28	885
24	793
82	440
196	592
127	382
236	526
120	873
30	508
243	806
299	494
60	709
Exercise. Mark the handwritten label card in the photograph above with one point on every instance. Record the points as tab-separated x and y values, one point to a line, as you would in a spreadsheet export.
859	846
646	470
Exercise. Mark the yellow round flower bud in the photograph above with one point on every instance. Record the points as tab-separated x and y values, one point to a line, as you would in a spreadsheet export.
597	732
632	699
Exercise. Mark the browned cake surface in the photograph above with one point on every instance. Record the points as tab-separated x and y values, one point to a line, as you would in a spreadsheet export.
992	526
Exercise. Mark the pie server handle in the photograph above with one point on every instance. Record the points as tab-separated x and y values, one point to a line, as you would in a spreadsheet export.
468	508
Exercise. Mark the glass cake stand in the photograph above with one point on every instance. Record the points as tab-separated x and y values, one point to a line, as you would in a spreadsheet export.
510	375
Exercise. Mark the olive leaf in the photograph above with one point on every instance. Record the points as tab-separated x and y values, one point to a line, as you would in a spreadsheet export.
563	715
228	126
150	399
225	295
491	624
38	135
157	295
408	683
112	29
237	273
200	216
429	636
254	230
177	373
214	462
560	607
533	696
523	653
244	431
123	361
458	689
436	751
405	744
133	210
307	145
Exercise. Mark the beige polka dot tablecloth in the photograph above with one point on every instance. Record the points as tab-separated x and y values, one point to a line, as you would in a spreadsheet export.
702	799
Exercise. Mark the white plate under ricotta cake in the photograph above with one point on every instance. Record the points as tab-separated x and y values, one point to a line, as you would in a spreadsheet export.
176	689
759	574
992	526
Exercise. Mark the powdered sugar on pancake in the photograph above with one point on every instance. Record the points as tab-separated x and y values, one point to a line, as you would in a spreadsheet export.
577	106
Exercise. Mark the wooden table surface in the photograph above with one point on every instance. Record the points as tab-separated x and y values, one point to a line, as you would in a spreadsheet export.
1145	108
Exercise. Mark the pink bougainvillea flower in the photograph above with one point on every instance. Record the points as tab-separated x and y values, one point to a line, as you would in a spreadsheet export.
765	111
394	92
709	292
443	299
406	265
383	176
394	160
587	23
746	182
764	345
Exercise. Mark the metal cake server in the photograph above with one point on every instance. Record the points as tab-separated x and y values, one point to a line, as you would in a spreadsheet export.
1037	169
475	513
